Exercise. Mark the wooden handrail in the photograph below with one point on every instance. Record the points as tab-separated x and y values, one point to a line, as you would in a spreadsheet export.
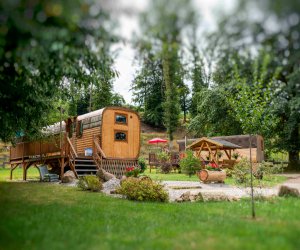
72	147
99	149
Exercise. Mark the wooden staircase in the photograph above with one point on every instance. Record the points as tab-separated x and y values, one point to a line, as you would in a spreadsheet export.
85	166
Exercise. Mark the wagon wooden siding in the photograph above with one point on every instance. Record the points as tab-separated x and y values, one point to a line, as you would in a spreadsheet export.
120	149
86	140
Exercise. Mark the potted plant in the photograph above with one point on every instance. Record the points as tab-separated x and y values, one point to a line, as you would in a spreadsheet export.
212	173
220	154
235	155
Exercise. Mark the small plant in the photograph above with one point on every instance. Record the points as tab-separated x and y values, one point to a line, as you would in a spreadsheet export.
90	183
164	159
132	172
142	164
142	190
190	164
235	155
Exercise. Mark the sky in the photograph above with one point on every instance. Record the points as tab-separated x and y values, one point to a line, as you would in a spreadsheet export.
127	13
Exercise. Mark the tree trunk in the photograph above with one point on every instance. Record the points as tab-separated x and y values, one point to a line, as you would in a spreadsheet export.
251	180
294	163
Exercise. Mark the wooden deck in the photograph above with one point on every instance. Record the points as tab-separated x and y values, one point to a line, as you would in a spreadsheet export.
27	154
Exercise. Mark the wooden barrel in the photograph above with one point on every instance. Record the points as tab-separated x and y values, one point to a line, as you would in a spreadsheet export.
212	176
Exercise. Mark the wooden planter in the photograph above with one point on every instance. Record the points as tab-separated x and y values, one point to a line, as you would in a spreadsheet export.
212	176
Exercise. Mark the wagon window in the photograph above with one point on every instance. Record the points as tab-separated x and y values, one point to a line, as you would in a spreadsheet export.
121	119
79	129
120	136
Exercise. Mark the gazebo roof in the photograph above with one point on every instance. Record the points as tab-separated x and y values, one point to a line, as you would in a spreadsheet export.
213	144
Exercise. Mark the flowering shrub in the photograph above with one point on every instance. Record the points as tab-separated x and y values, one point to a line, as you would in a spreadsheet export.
142	190
132	171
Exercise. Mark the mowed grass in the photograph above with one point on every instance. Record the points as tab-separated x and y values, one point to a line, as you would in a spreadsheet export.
32	174
51	216
268	181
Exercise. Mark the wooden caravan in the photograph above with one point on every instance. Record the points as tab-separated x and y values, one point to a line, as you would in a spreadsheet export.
108	138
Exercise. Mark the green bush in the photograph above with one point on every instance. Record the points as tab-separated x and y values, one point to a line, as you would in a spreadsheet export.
190	164
142	190
229	172
90	182
163	156
241	171
142	164
82	184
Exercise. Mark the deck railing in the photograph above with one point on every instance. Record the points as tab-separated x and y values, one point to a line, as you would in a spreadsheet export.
70	153
98	154
35	149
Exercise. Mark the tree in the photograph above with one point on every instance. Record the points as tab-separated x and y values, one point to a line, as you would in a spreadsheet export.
46	46
214	116
148	88
252	105
237	33
162	27
198	75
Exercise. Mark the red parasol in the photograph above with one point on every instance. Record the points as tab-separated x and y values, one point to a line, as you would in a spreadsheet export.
156	141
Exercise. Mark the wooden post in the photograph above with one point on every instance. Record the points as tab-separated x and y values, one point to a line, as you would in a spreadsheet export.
11	171
62	167
24	171
12	168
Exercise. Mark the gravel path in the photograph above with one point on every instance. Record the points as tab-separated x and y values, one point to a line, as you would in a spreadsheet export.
177	188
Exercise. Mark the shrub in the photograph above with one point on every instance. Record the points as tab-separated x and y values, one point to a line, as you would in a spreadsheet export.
142	164
163	156
190	164
90	183
142	190
229	172
266	169
241	171
82	184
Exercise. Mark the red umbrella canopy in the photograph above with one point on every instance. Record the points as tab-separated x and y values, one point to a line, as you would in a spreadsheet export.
157	140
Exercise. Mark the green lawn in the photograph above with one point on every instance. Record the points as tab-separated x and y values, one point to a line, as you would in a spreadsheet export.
32	174
266	182
50	216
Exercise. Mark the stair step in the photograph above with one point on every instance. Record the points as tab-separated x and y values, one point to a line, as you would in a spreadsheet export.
86	170
80	174
86	165
84	160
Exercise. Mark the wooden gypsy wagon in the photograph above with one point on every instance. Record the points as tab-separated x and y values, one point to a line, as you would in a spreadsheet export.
108	138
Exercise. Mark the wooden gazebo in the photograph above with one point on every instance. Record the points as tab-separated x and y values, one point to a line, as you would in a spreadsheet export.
212	146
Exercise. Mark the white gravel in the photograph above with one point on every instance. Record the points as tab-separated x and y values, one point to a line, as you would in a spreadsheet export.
177	188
